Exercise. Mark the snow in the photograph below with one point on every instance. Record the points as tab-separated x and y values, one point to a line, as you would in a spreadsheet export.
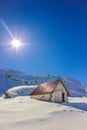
19	91
24	113
10	78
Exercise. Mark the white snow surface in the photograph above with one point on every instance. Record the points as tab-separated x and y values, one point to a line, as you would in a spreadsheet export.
24	113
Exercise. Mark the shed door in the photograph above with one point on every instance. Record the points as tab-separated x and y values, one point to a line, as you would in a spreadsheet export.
63	97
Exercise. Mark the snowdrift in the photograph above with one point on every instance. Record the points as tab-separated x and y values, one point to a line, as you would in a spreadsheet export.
18	91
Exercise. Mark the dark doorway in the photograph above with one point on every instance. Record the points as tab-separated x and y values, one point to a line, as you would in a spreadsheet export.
63	97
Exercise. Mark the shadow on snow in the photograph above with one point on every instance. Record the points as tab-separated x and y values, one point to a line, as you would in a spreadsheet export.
81	106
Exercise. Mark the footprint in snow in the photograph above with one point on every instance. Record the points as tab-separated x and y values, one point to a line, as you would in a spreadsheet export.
20	102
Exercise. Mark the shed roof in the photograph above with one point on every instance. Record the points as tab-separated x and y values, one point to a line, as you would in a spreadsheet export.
48	88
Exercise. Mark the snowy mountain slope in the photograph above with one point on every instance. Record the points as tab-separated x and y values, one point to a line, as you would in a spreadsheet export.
75	87
23	113
10	78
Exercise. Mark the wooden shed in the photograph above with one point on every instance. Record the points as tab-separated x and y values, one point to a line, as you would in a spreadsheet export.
54	91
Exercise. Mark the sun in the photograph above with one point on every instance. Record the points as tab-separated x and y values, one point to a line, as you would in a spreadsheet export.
16	43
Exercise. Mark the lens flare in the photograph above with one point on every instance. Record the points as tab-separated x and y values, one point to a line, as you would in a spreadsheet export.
16	43
7	28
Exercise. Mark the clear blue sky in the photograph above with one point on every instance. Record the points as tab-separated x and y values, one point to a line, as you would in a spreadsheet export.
54	33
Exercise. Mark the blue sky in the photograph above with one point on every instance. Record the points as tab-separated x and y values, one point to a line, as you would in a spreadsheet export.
54	34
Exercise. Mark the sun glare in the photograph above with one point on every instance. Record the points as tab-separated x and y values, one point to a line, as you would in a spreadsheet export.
16	43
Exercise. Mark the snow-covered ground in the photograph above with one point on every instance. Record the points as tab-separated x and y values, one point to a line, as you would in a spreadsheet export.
23	113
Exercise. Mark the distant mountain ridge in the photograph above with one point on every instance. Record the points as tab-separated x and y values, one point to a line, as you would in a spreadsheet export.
10	78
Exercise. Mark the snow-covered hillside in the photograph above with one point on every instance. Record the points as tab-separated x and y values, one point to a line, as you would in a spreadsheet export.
23	113
10	78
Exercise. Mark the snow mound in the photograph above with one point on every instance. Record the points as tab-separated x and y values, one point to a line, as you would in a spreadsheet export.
18	91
